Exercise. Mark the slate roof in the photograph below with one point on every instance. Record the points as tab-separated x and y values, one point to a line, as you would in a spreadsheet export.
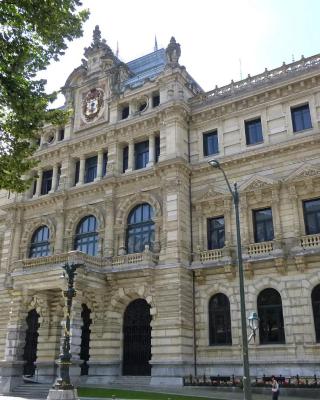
146	67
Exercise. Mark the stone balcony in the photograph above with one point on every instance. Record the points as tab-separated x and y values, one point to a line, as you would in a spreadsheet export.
146	259
216	258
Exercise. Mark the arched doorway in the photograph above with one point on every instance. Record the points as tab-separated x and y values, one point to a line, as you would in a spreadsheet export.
137	339
85	339
31	343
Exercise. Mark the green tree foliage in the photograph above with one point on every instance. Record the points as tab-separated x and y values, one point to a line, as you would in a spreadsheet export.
32	34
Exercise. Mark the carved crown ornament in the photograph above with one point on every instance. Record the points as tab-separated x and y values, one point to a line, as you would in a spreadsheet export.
258	183
306	171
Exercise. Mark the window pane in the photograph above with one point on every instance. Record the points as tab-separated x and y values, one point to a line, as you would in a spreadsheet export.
315	297
253	131
312	216
219	320
91	169
271	328
140	231
46	182
263	225
40	246
141	154
301	118
210	143
86	238
216	231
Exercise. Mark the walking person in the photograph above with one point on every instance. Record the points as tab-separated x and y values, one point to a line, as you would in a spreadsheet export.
275	389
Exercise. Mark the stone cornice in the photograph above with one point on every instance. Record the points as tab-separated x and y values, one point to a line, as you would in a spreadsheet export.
266	151
231	106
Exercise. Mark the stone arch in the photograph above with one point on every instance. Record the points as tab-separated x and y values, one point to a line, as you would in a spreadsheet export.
124	209
129	203
31	227
40	304
75	216
121	299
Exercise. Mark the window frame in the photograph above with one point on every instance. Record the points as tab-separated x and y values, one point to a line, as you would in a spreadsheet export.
135	231
264	310
216	314
41	247
205	142
87	238
305	213
141	154
263	221
296	109
210	233
90	169
247	126
46	182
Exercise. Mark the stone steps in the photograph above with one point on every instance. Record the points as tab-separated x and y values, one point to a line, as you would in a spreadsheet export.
32	390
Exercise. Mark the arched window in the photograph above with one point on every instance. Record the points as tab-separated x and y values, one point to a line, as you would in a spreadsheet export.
86	239
271	329
219	320
140	230
315	297
40	245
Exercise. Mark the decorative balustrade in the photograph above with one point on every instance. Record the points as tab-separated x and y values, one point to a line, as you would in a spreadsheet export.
211	255
77	257
260	248
310	241
251	82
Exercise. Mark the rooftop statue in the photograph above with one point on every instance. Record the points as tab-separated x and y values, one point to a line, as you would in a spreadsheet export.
173	52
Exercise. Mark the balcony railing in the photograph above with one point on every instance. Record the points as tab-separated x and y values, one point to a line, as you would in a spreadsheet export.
77	257
211	255
310	241
260	248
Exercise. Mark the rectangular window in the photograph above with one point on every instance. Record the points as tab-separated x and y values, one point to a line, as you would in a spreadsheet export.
141	151
263	225
105	163
155	99
215	228
61	134
157	144
125	112
76	172
46	181
125	157
210	143
301	118
90	169
311	210
253	130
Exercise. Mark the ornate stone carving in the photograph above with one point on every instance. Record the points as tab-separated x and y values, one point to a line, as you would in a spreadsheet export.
92	104
173	52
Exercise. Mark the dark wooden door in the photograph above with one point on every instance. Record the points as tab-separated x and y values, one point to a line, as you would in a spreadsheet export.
137	339
31	343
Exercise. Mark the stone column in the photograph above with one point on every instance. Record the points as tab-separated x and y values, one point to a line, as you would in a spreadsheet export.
81	170
130	156
12	365
17	227
99	165
39	183
245	220
54	178
151	150
227	206
276	214
295	212
59	248
109	228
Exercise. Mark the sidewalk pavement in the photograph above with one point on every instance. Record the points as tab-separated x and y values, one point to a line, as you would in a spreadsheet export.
211	393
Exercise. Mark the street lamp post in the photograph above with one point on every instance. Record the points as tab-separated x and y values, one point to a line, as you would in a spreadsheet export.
63	382
245	355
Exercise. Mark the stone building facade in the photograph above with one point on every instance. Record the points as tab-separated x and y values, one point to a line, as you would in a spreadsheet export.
125	190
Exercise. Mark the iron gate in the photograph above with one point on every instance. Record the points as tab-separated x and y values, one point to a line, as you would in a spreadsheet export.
31	343
137	339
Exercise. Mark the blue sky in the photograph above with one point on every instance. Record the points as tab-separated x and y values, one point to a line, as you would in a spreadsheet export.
214	35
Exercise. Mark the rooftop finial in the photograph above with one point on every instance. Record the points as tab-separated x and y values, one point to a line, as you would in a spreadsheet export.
155	43
96	38
173	52
117	51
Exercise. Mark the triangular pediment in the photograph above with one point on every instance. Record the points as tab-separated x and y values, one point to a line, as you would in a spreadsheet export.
257	182
211	194
303	172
